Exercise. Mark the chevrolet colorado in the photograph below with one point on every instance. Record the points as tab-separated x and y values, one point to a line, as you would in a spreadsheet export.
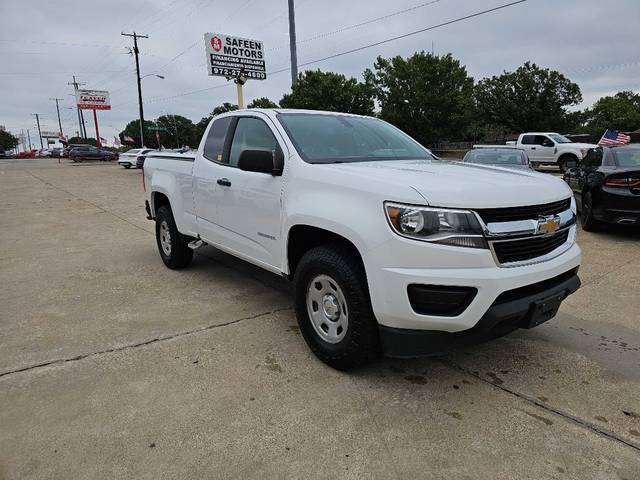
390	249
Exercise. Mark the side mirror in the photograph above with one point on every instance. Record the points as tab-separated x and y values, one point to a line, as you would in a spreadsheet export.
547	143
260	161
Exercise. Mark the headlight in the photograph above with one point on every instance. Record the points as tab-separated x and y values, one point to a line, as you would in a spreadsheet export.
584	151
437	225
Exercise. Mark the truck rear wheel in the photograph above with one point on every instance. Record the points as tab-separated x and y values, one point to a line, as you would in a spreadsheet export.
334	309
174	251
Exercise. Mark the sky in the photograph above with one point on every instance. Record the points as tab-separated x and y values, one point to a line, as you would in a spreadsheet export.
44	43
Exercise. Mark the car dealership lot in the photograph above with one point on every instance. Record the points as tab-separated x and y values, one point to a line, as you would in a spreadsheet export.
113	366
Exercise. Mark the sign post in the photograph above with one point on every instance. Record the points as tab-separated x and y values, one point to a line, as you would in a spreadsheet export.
95	122
93	100
236	58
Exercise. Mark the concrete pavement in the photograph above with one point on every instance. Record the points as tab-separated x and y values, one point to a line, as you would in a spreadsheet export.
112	366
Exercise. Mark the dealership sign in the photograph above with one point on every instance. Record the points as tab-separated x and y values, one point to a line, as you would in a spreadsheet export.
233	57
93	99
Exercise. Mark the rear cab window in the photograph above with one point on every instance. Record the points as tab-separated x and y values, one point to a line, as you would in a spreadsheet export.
214	143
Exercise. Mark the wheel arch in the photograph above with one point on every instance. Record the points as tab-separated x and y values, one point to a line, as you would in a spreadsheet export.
567	156
159	199
301	238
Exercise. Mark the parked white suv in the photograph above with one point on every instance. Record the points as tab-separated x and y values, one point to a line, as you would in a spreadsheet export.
549	148
129	158
390	249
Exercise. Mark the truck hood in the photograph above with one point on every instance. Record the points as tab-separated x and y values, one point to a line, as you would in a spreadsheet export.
579	145
462	185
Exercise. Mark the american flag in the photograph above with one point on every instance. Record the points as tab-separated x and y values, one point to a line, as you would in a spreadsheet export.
614	137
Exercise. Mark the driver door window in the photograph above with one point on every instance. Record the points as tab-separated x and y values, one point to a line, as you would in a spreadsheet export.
545	148
251	134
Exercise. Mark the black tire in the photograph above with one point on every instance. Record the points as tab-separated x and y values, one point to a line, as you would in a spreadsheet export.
589	223
127	166
562	162
535	165
178	255
360	343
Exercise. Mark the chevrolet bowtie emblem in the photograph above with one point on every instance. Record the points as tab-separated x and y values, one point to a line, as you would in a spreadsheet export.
548	224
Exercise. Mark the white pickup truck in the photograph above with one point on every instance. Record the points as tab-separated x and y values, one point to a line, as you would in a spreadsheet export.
390	249
546	148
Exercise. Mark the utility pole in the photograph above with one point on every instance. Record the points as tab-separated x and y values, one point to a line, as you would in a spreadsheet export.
39	131
135	52
58	110
292	44
29	138
75	84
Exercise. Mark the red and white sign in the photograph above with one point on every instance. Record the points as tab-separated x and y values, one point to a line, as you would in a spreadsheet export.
234	57
93	99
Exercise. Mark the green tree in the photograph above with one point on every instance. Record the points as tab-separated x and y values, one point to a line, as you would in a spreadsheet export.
177	131
428	96
620	112
8	140
262	102
316	90
133	130
528	99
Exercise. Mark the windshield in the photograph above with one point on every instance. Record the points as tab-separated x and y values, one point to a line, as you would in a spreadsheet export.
325	138
496	157
559	138
627	158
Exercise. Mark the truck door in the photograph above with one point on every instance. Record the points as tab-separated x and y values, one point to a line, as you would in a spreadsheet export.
207	169
529	145
545	149
250	207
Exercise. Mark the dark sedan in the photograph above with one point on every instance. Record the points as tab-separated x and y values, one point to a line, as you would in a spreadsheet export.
79	154
606	184
498	156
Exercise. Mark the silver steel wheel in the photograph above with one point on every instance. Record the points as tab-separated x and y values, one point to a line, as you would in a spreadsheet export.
165	238
327	309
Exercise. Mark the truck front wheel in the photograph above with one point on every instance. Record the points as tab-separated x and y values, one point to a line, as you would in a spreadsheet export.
174	251
333	307
562	162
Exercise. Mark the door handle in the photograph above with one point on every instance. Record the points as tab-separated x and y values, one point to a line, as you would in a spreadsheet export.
533	148
224	182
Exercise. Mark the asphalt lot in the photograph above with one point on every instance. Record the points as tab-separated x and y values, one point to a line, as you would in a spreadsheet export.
112	366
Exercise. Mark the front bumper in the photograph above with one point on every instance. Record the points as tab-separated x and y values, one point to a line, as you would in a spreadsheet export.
448	266
513	309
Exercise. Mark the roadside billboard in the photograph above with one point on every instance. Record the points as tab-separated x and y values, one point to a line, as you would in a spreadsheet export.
232	57
93	99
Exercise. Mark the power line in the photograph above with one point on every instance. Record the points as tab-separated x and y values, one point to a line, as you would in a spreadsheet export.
353	50
357	25
409	34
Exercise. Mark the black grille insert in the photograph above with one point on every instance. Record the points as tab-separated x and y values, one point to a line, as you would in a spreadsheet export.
528	248
510	214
